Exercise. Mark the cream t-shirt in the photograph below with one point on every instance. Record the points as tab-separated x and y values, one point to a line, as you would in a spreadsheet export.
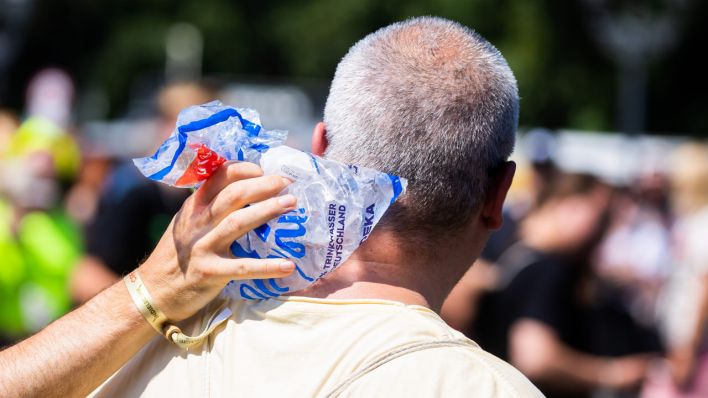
304	347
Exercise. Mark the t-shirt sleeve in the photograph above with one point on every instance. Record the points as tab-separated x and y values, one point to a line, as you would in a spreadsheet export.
443	372
548	299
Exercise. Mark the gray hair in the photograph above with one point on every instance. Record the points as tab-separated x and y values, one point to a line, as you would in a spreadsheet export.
429	100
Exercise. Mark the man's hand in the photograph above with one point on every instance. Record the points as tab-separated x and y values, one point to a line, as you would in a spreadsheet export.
192	262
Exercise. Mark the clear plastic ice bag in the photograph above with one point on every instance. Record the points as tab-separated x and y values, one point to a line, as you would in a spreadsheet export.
338	205
206	136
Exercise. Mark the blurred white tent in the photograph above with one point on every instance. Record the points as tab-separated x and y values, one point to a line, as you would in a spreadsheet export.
616	158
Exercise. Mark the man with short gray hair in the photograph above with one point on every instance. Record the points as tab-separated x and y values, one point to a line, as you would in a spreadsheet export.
432	101
426	99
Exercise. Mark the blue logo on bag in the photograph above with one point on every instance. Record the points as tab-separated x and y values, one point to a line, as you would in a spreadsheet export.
368	222
286	247
295	249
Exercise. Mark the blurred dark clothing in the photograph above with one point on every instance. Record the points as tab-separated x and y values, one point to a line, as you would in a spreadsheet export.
553	291
535	286
133	214
614	331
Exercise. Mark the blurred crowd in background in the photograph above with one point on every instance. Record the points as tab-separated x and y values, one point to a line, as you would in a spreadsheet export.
598	280
597	284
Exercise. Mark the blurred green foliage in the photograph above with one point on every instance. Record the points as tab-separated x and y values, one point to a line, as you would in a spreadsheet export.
565	79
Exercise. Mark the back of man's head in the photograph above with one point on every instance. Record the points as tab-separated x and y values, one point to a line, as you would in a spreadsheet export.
429	100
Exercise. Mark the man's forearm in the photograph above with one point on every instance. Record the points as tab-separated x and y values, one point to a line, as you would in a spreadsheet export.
189	267
75	354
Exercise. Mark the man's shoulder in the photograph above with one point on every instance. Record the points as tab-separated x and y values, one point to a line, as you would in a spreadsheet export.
443	370
385	350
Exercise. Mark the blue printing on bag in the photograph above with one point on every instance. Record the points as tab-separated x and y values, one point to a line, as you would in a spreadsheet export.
259	147
254	291
262	232
262	287
314	163
251	128
277	287
397	188
239	251
303	275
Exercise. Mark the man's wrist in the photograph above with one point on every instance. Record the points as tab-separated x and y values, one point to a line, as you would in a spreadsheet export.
144	302
155	276
158	320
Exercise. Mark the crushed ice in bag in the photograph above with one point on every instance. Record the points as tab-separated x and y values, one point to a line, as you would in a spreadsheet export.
206	136
338	204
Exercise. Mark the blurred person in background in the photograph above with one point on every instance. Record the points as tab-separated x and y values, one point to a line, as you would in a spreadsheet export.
537	315
684	304
38	241
8	125
81	201
635	257
133	211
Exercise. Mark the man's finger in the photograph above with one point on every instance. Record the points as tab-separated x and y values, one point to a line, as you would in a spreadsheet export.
253	268
240	193
241	221
227	173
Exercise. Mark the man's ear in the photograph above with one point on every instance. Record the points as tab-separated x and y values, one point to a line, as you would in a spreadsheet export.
496	194
319	139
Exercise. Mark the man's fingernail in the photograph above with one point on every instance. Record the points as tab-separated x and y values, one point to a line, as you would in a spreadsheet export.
287	201
287	181
287	266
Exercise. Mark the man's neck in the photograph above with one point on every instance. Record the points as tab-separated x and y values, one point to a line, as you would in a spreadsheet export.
371	280
382	270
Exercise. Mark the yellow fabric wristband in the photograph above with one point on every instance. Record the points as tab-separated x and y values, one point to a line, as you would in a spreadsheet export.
143	300
158	320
